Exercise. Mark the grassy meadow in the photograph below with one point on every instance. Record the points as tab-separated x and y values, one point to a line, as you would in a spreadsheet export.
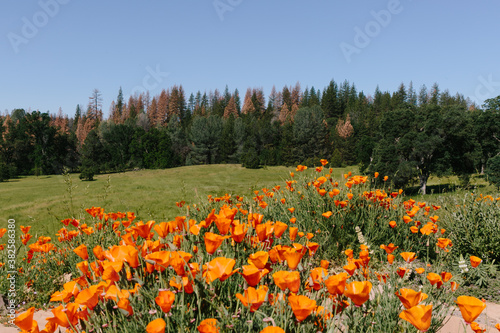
44	201
288	250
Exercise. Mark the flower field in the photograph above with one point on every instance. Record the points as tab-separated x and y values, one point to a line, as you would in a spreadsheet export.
313	254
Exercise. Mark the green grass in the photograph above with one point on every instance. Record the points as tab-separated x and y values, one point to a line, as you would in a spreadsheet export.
43	201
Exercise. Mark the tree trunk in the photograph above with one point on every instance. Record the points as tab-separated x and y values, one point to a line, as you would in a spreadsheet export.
423	183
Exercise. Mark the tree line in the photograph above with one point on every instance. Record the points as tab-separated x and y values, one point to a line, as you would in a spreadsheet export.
406	135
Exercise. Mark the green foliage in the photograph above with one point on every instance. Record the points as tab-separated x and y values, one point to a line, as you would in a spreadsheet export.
493	171
205	135
310	132
251	159
473	224
87	174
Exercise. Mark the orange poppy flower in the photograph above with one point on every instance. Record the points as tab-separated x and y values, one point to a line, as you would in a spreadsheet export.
358	292
165	299
88	297
144	229
323	161
419	270
25	320
258	259
126	253
389	248
316	277
292	257
401	271
407	219
285	279
454	285
114	293
213	241
414	229
446	276
253	298
375	175
334	192
156	326
350	268
25	230
410	297
386	178
443	243
178	260
336	283
325	264
327	214
390	258
272	329
252	274
470	307
408	256
238	232
208	326
475	261
25	238
497	326
419	316
279	228
349	253
219	268
435	279
81	251
392	224
2	232
302	306
65	317
293	220
124	304
293	233
428	228
476	328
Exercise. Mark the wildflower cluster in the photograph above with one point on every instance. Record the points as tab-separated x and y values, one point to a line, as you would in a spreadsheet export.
234	264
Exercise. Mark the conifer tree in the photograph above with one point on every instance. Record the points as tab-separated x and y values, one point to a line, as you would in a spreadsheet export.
152	113
248	106
231	109
163	107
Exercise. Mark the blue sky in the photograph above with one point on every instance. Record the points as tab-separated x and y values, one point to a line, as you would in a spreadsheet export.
55	52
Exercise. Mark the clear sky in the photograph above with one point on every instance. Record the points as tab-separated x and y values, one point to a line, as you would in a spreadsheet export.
55	52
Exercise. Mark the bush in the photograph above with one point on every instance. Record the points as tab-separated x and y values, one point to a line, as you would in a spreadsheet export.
474	226
87	174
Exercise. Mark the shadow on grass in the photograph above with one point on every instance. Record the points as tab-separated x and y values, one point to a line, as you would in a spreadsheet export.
441	188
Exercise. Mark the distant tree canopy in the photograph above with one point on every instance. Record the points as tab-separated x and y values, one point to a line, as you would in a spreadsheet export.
405	135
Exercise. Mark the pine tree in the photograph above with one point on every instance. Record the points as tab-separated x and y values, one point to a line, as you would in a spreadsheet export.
152	113
248	106
330	102
284	112
237	100
295	95
163	106
231	109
